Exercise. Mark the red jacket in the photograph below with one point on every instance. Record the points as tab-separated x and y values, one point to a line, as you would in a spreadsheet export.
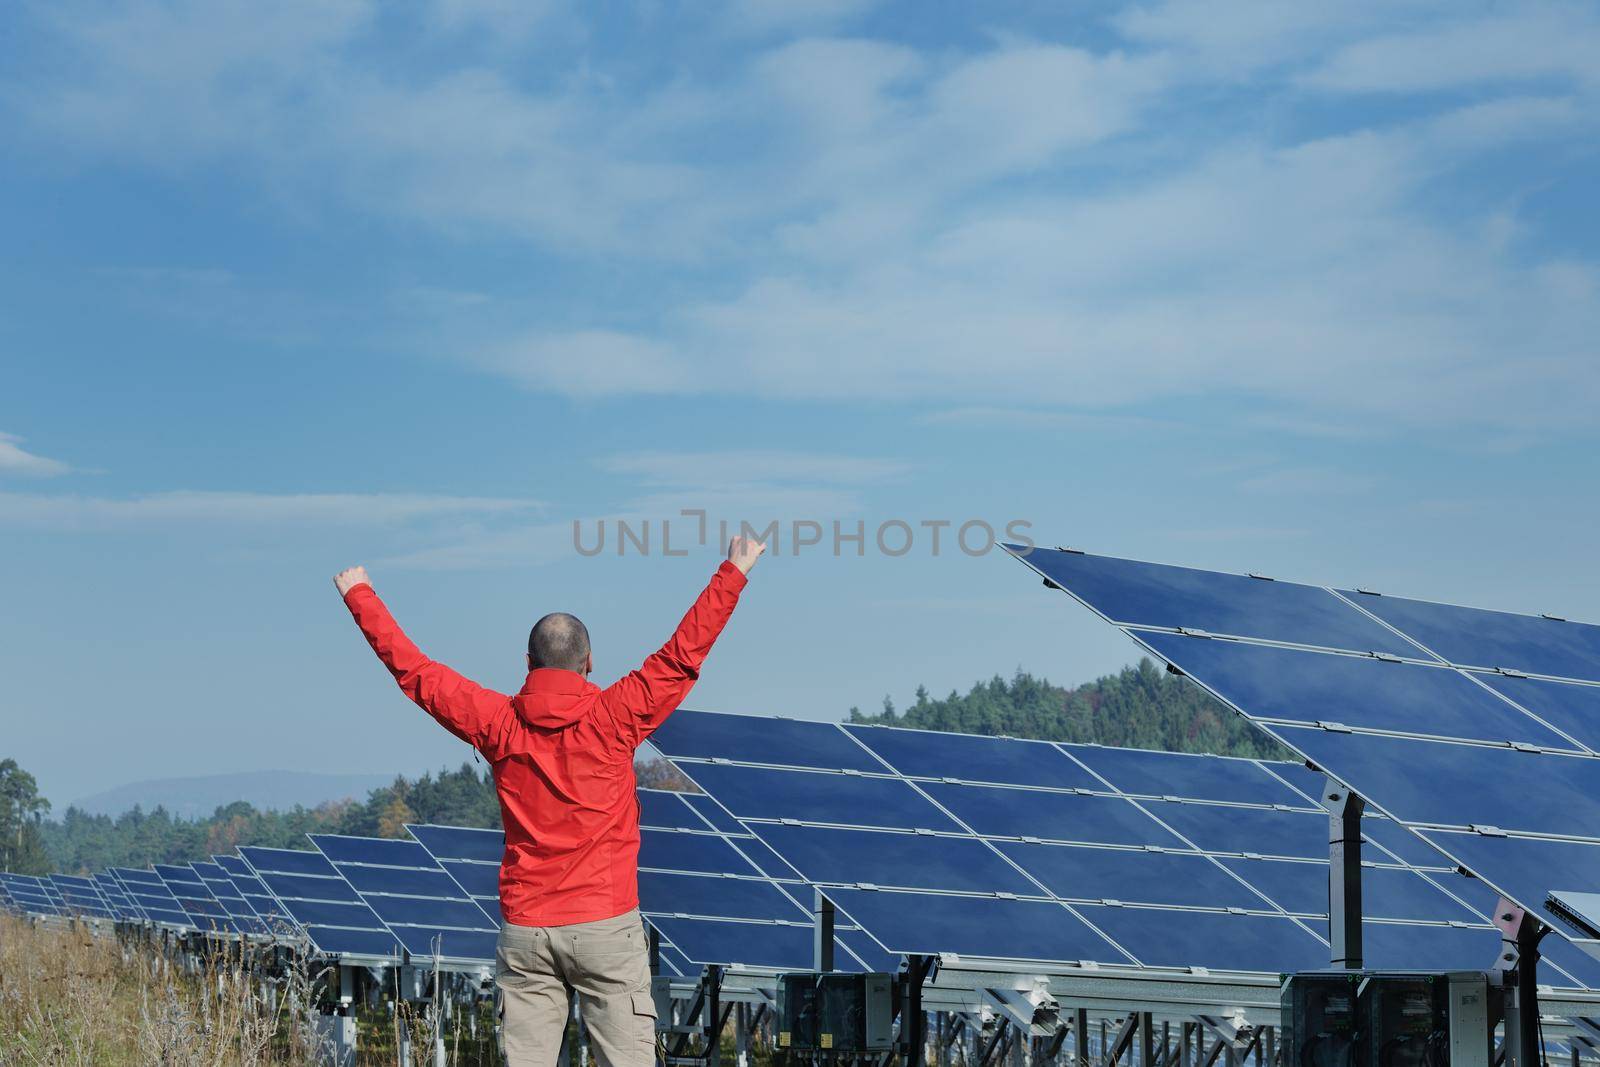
562	754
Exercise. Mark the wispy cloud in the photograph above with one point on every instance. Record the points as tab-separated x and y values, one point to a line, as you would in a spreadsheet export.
14	459
253	509
733	470
887	219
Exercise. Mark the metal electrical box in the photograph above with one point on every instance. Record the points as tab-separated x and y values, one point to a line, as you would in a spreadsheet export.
1391	1018
836	1012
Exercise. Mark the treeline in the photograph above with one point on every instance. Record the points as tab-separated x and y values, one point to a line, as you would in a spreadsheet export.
1139	707
80	842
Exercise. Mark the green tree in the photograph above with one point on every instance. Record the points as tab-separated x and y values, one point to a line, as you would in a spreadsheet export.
22	810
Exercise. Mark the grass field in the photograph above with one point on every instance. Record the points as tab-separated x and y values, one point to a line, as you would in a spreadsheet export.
68	997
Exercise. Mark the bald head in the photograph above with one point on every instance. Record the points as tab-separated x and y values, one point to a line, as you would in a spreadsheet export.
559	640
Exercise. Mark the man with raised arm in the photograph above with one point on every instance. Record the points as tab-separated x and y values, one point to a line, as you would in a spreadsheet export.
561	750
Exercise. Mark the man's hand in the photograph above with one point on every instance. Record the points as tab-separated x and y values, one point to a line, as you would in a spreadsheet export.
349	578
744	551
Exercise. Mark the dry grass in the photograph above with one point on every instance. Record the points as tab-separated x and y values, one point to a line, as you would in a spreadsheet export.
68	997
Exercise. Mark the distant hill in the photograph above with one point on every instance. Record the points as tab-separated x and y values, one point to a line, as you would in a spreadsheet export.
198	797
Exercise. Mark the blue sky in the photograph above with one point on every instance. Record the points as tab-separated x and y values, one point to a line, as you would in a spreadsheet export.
1303	289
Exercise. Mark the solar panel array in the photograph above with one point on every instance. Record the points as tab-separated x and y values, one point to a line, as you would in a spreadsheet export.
1033	850
1478	731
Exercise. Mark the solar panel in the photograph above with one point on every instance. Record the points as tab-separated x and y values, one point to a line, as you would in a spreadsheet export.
1133	594
243	916
1474	637
468	855
203	909
1293	685
152	896
431	915
31	894
82	896
1495	770
1158	859
122	905
256	894
309	890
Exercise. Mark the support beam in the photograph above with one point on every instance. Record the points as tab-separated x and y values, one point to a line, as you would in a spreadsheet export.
1344	874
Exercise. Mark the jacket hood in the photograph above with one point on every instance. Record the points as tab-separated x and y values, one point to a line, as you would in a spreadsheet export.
551	698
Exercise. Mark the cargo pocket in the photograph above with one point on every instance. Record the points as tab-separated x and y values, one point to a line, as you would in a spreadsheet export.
644	1004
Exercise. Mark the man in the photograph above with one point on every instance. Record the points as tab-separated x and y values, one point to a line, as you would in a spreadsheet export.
561	751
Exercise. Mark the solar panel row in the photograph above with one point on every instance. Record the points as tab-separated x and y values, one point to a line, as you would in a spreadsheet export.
1478	731
1046	851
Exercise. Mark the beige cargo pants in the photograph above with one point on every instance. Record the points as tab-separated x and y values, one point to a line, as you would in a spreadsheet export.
606	963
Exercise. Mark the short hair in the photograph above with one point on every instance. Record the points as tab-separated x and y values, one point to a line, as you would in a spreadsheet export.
558	640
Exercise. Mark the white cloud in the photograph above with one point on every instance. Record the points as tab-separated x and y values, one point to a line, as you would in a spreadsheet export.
1098	227
14	459
251	509
752	468
1537	42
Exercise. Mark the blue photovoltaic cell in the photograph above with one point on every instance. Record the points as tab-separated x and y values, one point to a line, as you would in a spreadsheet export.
1074	872
418	883
255	891
718	897
713	814
1479	638
30	894
1150	594
927	754
767	861
1216	940
309	886
1000	812
761	739
760	945
422	906
1460	785
1301	779
310	889
912	861
1386	892
122	905
1564	705
665	809
340	941
384	851
1392	839
1267	831
312	913
1444	948
222	888
811	796
152	896
458	842
203	909
1286	683
80	896
1528	869
477	878
1177	774
680	850
288	860
973	926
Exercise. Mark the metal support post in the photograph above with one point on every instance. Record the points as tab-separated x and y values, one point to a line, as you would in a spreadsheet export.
741	1033
1147	1043
1080	1037
1344	874
713	1017
821	932
1518	964
913	1022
